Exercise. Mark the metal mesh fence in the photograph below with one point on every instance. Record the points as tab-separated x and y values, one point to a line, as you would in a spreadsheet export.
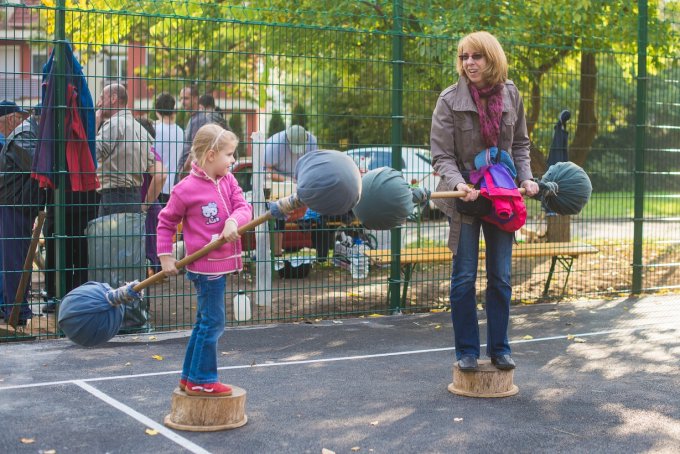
363	78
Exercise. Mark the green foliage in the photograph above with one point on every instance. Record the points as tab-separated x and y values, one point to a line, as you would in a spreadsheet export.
335	58
276	124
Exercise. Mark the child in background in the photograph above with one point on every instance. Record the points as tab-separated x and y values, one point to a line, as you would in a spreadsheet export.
210	205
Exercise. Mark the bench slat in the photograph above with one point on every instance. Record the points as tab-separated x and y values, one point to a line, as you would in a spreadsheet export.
443	254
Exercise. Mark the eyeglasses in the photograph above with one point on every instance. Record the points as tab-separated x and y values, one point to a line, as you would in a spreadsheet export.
475	56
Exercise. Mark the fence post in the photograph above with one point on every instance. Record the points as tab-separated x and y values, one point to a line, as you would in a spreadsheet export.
640	136
60	149
397	119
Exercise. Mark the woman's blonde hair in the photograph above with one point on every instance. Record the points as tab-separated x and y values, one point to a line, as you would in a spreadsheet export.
496	71
211	137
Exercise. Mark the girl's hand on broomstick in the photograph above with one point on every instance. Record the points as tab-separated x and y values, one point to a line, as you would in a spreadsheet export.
168	264
230	232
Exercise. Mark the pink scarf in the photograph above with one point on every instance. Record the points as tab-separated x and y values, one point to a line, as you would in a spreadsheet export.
489	118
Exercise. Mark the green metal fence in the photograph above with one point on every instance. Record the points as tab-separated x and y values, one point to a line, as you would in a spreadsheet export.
358	75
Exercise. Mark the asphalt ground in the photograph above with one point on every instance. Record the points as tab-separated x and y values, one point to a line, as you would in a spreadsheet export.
593	376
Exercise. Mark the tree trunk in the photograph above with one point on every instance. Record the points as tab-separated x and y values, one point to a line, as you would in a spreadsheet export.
559	229
535	107
586	128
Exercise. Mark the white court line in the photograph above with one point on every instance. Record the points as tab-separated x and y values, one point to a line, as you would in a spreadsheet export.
161	429
335	359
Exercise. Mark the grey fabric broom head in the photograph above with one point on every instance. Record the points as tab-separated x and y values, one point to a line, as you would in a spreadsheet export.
386	199
87	318
328	182
564	189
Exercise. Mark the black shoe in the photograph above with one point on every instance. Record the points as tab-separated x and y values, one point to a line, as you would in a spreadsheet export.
503	362
50	307
468	363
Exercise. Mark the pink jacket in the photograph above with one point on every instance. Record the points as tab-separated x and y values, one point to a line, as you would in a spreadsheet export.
203	206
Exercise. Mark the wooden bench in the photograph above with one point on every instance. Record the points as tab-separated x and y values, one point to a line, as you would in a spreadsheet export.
562	253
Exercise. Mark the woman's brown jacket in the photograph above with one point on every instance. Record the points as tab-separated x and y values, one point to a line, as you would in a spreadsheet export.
455	140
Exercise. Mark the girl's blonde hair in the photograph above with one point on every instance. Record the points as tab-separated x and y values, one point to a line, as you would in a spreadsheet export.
496	71
211	137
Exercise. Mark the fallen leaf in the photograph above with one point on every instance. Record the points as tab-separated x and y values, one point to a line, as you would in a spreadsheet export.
27	441
480	307
327	451
128	364
151	431
579	340
374	423
528	337
337	322
356	448
224	353
434	311
457	419
49	451
438	327
152	338
375	315
157	357
570	336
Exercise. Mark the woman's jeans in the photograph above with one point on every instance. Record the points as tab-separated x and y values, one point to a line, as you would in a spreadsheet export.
498	289
200	361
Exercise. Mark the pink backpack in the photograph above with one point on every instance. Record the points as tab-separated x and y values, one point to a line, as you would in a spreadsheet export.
508	210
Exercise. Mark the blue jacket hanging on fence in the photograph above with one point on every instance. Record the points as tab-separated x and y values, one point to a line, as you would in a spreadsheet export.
79	130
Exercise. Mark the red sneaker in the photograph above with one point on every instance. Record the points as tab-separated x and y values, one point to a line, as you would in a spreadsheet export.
216	389
182	383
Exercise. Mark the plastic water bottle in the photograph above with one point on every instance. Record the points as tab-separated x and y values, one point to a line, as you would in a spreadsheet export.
242	310
359	259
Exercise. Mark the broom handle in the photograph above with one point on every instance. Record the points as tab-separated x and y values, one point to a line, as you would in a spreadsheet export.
202	252
454	194
28	267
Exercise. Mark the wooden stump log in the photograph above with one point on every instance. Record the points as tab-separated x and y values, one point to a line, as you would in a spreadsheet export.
487	381
207	414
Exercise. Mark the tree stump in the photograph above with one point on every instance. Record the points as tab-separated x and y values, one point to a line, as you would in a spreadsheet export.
487	381
207	414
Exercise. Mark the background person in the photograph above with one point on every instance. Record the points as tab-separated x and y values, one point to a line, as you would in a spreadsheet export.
11	116
201	115
281	153
210	205
152	207
206	103
169	141
20	201
484	98
123	155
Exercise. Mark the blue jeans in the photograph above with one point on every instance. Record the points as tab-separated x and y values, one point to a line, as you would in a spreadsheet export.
200	361
498	290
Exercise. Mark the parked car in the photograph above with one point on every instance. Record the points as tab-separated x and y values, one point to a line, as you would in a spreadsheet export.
293	237
416	167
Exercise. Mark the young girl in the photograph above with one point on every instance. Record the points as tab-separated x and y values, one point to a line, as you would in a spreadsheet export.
210	205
